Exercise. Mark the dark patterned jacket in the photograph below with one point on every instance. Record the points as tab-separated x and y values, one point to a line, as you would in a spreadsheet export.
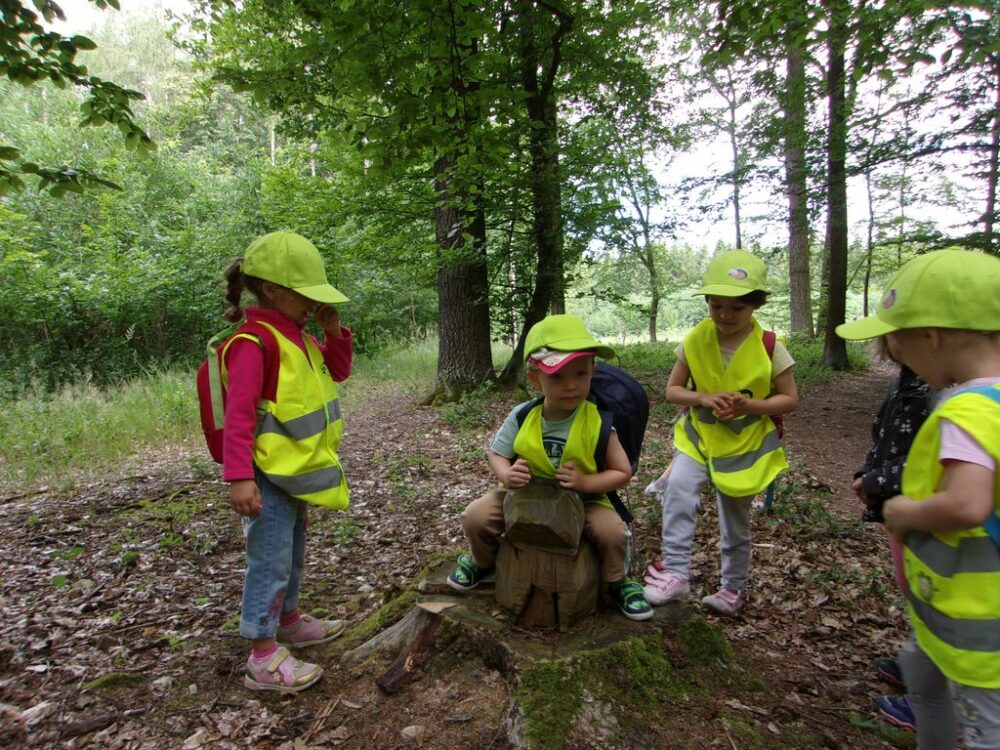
905	408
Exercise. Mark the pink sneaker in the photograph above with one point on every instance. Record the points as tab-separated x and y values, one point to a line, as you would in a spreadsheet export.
724	602
309	631
282	673
664	586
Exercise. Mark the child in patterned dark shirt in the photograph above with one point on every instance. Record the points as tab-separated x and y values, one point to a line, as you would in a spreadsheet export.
899	418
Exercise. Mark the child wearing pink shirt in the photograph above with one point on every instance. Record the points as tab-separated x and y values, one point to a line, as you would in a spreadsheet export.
279	450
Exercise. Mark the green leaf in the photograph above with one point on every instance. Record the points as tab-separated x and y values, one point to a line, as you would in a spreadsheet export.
82	42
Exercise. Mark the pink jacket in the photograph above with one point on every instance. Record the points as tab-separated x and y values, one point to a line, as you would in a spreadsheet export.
245	363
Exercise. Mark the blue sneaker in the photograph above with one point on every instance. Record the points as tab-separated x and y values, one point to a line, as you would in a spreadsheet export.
630	599
896	711
888	671
467	575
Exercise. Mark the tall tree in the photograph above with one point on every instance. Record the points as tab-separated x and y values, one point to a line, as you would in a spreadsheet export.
409	87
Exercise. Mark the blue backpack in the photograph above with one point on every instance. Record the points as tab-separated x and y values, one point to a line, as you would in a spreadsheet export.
623	404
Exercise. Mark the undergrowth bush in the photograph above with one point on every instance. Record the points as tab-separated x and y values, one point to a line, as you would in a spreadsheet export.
86	429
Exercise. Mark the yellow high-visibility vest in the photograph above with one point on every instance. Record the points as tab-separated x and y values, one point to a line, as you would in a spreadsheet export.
743	455
298	433
581	442
954	578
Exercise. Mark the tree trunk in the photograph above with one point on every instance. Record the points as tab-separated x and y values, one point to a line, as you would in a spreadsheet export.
795	181
465	359
538	81
989	218
734	146
834	347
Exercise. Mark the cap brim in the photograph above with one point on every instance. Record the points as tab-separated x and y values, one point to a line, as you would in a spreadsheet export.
864	328
322	293
564	358
589	345
725	290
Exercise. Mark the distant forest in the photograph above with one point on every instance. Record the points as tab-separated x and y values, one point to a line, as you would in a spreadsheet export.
467	168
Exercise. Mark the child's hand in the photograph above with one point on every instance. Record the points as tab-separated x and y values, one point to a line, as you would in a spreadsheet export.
720	403
569	477
895	511
736	407
244	498
328	317
519	475
858	488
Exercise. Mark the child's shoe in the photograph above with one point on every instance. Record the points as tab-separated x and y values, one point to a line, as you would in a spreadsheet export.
309	631
630	600
664	586
282	673
888	671
467	575
724	602
897	711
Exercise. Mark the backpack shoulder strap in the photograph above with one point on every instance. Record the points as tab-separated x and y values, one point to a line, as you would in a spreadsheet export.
522	413
769	338
272	356
603	437
601	459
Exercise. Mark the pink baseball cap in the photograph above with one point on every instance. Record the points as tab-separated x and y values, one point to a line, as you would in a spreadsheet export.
550	360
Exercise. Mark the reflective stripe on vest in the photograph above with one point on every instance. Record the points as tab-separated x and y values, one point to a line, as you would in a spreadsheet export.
295	445
954	578
743	455
581	442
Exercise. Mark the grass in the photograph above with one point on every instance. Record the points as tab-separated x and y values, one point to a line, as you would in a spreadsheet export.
83	431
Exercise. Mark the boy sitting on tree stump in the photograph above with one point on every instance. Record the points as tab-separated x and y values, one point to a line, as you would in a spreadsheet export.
555	442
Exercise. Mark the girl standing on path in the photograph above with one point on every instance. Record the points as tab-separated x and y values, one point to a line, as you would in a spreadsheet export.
731	389
278	455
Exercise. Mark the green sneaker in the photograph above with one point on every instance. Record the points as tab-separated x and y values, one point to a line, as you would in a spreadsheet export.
630	599
467	575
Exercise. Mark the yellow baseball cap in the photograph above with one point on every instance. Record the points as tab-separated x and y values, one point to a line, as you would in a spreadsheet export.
941	289
292	261
733	274
562	333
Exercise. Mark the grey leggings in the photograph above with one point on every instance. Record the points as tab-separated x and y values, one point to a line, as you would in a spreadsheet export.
941	705
680	509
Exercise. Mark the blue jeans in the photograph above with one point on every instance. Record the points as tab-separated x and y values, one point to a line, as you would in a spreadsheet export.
276	554
680	514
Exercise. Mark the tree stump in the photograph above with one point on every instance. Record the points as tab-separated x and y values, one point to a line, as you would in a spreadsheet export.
546	574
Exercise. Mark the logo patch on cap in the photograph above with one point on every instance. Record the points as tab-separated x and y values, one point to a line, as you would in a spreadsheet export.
889	299
740	274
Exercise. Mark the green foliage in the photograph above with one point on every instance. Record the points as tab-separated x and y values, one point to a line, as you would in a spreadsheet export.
29	54
85	428
807	351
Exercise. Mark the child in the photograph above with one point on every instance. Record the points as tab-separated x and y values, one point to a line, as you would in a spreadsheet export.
905	408
941	314
556	441
279	454
730	389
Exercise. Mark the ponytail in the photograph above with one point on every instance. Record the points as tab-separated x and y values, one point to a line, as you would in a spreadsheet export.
235	284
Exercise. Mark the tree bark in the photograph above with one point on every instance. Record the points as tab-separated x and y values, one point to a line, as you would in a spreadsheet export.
538	81
465	357
990	216
796	185
834	347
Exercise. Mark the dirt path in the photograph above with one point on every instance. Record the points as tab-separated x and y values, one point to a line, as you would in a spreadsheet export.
829	434
118	603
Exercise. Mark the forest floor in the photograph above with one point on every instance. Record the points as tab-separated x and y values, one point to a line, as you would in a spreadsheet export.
120	601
